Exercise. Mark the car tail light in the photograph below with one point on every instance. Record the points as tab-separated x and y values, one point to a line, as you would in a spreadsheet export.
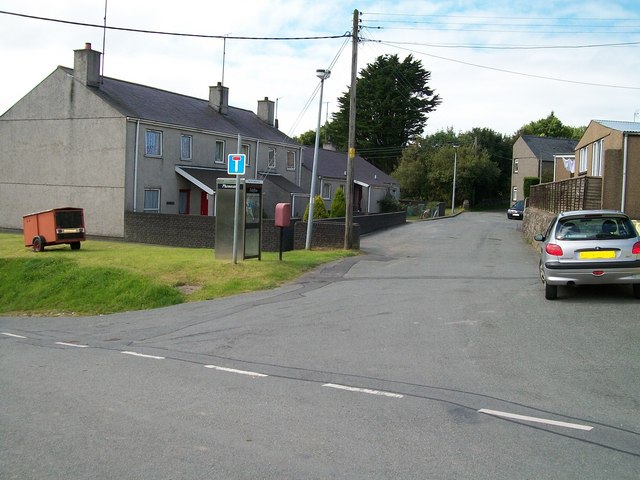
598	273
553	249
636	248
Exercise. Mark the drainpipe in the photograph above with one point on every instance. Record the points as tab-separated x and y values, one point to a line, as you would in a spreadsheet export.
625	154
257	156
135	168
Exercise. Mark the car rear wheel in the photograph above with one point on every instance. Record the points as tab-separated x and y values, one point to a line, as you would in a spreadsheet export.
550	291
636	290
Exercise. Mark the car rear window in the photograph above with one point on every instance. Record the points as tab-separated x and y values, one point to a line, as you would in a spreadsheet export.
591	228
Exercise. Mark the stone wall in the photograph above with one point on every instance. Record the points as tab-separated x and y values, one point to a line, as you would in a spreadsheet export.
535	221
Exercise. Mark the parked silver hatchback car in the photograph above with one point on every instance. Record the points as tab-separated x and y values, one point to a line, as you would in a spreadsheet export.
589	247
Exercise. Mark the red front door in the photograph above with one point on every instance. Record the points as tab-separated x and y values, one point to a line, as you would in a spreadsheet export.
204	204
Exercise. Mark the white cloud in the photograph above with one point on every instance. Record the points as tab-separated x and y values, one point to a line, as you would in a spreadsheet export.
472	96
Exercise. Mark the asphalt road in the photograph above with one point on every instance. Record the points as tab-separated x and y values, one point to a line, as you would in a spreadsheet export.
434	355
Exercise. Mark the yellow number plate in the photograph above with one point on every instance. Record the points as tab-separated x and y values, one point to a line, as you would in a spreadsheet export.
598	254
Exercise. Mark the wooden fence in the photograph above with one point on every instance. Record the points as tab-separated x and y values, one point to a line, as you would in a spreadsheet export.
579	193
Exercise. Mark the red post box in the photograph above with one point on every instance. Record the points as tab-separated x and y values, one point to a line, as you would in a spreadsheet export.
283	215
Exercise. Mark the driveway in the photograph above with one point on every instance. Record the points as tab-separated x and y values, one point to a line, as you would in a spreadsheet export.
432	355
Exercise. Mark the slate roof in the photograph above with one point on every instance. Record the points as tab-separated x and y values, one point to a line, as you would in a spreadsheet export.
545	148
148	103
333	164
624	127
283	183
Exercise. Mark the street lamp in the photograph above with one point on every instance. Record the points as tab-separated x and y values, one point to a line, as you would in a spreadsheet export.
322	75
455	170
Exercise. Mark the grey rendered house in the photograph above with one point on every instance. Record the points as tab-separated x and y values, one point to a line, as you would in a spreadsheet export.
535	156
111	146
370	183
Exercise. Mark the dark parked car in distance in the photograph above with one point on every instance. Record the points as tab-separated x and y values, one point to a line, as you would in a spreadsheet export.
516	211
589	247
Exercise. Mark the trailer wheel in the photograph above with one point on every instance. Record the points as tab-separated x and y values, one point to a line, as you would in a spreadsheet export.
75	246
38	244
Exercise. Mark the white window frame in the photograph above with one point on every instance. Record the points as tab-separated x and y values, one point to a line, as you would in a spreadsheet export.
246	151
148	207
515	165
582	166
218	155
291	160
271	161
186	143
153	143
597	154
514	194
326	191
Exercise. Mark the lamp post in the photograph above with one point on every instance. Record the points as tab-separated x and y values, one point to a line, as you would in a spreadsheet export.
455	170
322	75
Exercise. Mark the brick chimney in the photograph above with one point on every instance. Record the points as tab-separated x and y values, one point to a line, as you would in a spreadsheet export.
219	98
86	66
266	111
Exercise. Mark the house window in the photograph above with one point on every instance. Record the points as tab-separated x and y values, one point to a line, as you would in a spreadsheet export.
152	200
596	158
582	167
272	158
246	150
515	165
291	160
183	202
186	141
219	155
326	191
153	146
514	194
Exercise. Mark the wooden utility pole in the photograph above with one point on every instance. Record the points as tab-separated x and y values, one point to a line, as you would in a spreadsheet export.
348	221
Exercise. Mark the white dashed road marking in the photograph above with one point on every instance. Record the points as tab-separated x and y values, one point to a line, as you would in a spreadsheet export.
71	345
12	335
135	354
513	416
233	370
363	390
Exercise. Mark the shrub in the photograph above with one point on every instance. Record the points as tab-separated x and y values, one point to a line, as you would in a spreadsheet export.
339	204
319	210
389	203
528	182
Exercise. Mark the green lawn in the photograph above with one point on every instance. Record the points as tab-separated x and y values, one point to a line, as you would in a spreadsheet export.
107	277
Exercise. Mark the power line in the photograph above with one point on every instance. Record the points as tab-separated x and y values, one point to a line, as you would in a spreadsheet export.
176	34
510	47
531	75
493	17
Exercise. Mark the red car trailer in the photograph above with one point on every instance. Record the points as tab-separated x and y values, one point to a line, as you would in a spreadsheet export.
54	227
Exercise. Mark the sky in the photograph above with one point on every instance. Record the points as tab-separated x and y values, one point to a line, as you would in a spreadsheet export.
495	64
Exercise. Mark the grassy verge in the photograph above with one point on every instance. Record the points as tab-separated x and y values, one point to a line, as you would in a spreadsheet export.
107	277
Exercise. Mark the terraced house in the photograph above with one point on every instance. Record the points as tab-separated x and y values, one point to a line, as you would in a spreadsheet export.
114	147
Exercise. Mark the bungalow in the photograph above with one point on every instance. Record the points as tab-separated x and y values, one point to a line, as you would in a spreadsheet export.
371	184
